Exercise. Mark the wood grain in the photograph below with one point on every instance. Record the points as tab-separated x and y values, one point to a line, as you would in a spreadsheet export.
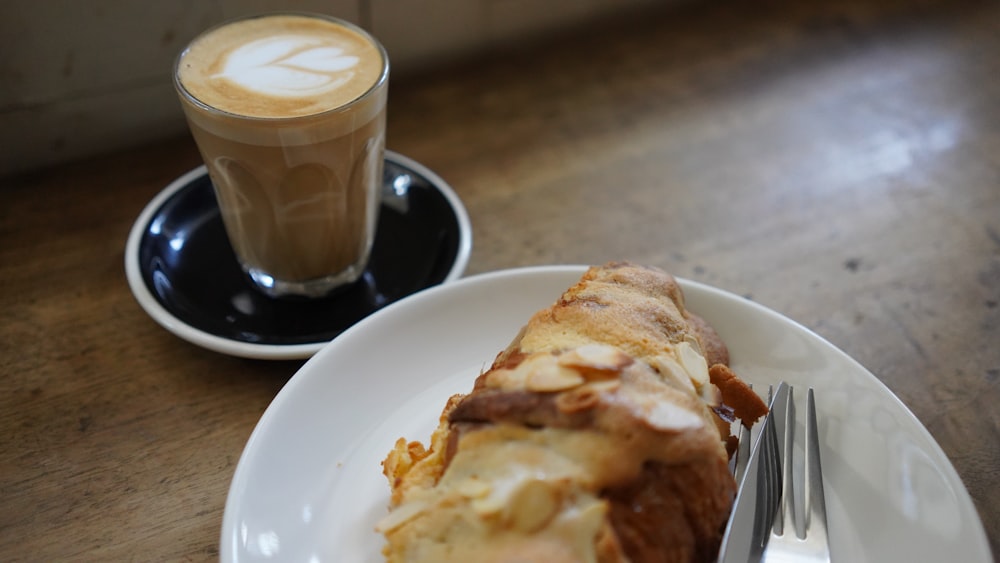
837	162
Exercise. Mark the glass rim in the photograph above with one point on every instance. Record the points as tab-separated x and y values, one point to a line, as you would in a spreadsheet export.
383	76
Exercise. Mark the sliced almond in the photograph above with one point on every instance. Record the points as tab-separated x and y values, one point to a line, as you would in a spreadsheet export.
598	357
473	488
672	372
548	378
400	516
694	363
532	505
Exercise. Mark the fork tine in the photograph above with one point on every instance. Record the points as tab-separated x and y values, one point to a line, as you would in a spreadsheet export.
742	451
786	519
816	507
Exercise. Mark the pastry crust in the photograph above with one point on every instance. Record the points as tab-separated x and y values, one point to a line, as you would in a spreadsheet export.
599	434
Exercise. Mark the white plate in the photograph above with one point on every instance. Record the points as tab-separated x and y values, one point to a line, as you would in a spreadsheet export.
309	486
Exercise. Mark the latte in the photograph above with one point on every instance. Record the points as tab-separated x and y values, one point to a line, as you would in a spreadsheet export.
288	112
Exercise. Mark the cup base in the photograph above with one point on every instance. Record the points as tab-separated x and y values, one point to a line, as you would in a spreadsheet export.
311	289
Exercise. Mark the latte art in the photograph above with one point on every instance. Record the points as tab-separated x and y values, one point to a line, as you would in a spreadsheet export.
289	65
280	66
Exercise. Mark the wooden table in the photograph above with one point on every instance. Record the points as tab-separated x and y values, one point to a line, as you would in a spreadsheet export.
840	165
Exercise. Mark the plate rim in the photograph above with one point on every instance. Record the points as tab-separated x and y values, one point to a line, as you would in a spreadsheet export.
166	319
227	550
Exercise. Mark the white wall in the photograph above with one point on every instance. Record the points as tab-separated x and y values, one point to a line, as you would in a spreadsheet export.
83	77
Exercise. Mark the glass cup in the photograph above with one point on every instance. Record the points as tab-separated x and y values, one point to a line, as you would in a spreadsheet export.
288	113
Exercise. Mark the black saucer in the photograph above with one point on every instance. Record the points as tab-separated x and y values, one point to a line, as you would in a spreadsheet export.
183	271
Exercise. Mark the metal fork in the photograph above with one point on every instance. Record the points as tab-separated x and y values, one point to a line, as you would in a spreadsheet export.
799	532
758	477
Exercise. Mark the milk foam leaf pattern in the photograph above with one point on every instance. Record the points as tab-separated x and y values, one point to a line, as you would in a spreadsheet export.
289	66
327	59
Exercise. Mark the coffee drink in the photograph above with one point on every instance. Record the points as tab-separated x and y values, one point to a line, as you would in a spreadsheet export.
288	112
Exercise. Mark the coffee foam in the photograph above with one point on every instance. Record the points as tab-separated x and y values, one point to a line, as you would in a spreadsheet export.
290	66
280	66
